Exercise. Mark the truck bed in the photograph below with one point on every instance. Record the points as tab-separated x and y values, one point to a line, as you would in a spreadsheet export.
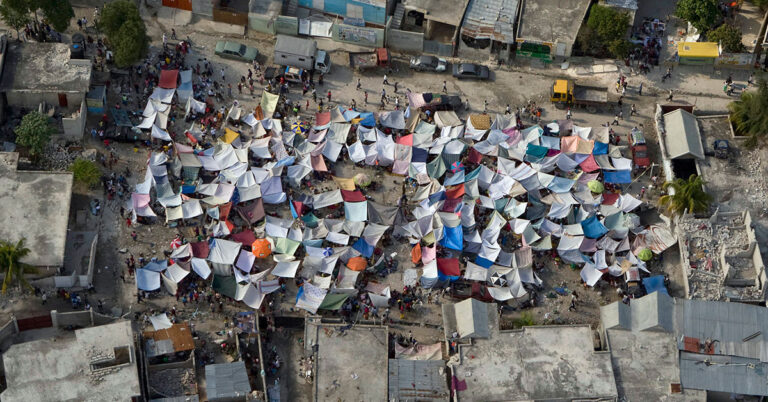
363	60
587	94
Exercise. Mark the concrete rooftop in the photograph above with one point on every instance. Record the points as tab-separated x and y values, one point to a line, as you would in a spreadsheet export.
42	67
60	369
36	206
446	11
551	20
535	363
351	366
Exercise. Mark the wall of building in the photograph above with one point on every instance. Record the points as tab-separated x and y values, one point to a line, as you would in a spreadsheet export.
74	127
735	60
404	41
32	99
287	25
203	7
361	36
74	318
8	334
349	8
189	363
261	23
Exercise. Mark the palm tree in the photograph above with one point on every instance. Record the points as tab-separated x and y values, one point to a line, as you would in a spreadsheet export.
10	254
688	195
749	114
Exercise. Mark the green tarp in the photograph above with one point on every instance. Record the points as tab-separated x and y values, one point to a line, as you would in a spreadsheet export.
436	168
333	301
226	285
284	245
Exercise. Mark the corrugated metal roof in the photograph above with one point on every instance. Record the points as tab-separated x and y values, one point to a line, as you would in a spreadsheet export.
491	19
683	137
628	4
723	373
417	380
227	380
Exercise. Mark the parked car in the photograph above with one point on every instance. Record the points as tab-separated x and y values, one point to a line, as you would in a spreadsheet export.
471	71
236	51
428	63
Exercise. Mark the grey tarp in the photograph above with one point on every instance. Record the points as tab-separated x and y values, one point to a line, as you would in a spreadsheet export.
394	119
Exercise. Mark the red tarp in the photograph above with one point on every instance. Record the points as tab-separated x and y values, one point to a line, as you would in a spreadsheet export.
352	196
168	79
246	237
251	213
200	249
322	119
455	193
405	140
610	198
589	165
474	156
448	266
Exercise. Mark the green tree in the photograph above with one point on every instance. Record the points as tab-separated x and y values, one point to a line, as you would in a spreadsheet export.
34	132
58	12
749	114
689	195
702	14
125	30
85	172
608	23
620	48
15	13
525	320
10	254
728	36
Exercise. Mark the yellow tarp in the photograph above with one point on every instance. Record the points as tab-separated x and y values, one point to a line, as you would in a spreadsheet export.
229	136
345	183
268	103
698	49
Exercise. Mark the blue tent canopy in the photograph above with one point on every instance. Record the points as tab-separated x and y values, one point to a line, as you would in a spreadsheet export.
419	155
600	148
454	179
453	238
363	248
655	283
536	151
617	176
367	119
485	263
593	229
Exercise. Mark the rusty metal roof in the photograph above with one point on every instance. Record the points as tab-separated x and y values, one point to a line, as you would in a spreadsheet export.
491	19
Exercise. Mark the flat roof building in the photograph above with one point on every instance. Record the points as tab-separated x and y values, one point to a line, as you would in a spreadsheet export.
350	363
535	363
719	348
97	364
551	23
36	207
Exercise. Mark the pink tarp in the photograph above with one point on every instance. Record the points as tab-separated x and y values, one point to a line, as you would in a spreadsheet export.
428	254
168	79
318	163
322	119
575	144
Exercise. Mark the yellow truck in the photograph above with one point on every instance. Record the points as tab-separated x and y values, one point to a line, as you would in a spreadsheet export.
567	93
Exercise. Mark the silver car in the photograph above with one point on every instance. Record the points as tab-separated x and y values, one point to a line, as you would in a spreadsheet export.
428	63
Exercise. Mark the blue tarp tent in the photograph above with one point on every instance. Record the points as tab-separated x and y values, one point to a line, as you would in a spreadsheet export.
600	148
536	151
617	176
363	247
453	238
655	283
593	229
367	119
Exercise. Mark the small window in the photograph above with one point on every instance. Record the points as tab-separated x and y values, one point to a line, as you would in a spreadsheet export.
282	55
302	59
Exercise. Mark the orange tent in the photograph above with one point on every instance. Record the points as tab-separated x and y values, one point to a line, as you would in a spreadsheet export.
416	253
356	263
261	248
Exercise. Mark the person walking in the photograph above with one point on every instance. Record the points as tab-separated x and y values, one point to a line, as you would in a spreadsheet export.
396	84
507	110
751	80
669	97
568	114
165	40
359	85
134	235
632	111
240	87
640	89
173	34
485	106
621	114
445	87
329	96
386	82
314	95
615	120
222	74
366	98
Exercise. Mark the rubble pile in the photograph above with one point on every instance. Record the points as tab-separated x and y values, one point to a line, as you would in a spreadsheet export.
58	158
173	382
